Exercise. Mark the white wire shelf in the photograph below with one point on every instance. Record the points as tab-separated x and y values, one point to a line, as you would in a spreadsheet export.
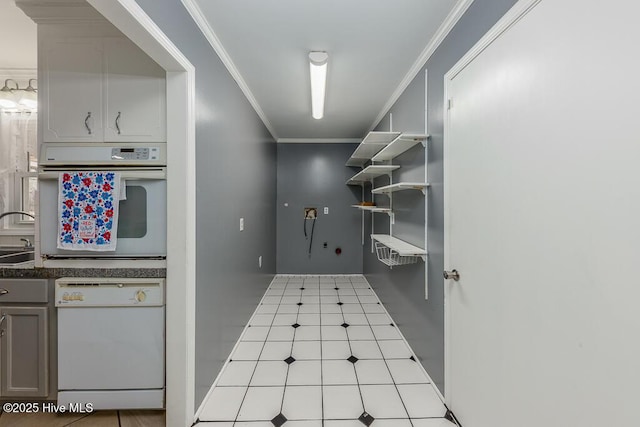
420	186
370	172
400	247
372	208
398	146
370	146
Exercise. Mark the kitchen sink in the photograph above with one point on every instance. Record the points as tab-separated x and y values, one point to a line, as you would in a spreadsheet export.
12	257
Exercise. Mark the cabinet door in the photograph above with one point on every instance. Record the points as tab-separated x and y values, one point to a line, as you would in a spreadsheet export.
135	92
72	90
25	356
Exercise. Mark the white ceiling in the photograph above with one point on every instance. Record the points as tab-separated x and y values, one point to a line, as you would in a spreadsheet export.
18	43
375	48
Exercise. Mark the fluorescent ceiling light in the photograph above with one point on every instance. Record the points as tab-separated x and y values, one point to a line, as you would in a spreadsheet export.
318	73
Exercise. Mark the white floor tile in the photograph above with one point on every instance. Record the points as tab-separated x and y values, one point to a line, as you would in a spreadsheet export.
304	372
421	400
335	350
302	403
355	319
378	319
346	291
343	423
306	350
406	371
281	333
360	285
331	319
223	404
218	424
372	372
324	291
329	299
360	333
363	292
365	349
266	309
310	299
330	309
352	308
394	349
271	300
386	332
308	423
335	372
293	292
373	308
392	423
309	308
285	319
247	350
333	333
383	401
276	350
237	373
261	404
307	333
349	299
249	424
255	333
287	309
262	320
309	319
290	299
274	292
341	402
432	422
367	299
311	292
269	373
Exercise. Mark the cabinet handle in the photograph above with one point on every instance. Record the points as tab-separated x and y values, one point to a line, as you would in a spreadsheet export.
118	122
86	122
4	291
4	316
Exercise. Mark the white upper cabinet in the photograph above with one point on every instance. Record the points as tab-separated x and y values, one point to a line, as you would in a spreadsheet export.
71	90
134	89
101	90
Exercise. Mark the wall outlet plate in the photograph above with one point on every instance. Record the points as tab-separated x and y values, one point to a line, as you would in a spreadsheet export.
260	261
326	210
241	224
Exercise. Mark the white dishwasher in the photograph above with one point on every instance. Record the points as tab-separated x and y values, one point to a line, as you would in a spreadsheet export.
111	343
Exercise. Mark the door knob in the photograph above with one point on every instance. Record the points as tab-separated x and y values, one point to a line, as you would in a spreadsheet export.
453	274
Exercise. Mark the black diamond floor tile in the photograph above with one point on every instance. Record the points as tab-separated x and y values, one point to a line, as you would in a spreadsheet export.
295	325
279	420
345	325
289	360
302	289
336	288
352	359
413	358
366	419
340	303
299	303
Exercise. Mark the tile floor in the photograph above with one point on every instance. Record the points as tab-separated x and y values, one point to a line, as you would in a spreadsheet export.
321	351
95	419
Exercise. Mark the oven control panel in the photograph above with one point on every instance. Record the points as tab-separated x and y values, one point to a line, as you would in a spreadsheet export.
137	153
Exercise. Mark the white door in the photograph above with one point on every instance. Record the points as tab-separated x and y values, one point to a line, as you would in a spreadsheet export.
72	90
135	93
542	207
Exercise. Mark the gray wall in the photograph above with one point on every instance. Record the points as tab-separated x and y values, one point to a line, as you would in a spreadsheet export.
235	177
402	289
314	175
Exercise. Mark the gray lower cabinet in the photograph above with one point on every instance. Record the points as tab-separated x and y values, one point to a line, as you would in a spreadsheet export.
26	317
24	352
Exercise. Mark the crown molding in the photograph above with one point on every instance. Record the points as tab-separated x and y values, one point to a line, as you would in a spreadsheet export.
202	23
319	140
59	11
452	19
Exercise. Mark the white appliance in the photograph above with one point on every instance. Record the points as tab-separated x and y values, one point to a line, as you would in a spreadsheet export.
142	222
111	342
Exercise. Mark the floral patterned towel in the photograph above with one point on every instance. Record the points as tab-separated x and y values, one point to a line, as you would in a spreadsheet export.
88	210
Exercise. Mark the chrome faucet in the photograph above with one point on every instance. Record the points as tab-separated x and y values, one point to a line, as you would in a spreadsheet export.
2	215
27	243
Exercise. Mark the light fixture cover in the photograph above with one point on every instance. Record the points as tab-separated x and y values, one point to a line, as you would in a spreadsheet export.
318	74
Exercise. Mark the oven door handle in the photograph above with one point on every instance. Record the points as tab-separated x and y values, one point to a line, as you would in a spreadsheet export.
127	174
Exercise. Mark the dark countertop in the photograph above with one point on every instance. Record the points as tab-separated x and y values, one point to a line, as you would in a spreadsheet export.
55	273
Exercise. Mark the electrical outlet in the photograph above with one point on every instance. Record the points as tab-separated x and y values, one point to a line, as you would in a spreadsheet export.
260	261
326	210
241	224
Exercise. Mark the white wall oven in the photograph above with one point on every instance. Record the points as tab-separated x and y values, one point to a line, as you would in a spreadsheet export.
142	220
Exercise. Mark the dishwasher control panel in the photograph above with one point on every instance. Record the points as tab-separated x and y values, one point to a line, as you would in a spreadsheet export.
108	292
